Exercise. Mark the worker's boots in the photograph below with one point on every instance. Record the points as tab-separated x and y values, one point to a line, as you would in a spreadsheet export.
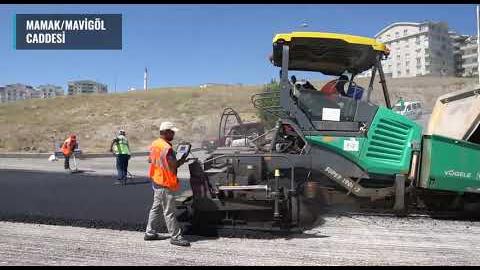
179	242
151	237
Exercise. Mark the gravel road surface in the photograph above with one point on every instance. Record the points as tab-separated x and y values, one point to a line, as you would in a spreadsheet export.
338	240
356	240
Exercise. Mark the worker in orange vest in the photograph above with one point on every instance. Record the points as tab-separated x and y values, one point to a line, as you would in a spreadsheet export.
335	87
163	174
68	147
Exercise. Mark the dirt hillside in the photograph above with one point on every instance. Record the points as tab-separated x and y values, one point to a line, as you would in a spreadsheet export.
33	125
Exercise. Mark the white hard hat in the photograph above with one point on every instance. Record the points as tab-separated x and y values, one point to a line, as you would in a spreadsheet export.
168	126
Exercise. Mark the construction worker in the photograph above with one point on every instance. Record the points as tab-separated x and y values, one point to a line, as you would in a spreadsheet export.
121	149
163	174
68	147
335	87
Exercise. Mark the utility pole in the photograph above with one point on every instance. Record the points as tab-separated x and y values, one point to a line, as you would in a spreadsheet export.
478	43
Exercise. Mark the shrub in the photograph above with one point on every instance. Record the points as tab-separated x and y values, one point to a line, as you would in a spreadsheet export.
268	119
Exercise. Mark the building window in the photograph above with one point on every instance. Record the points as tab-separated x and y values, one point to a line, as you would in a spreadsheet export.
398	56
399	73
407	72
407	63
419	61
397	34
405	32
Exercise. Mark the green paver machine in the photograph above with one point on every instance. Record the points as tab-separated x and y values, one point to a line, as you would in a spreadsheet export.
325	146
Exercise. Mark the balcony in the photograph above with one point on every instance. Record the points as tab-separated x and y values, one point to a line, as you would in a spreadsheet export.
464	56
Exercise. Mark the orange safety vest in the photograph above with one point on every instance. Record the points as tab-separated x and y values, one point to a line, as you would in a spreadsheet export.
159	171
68	146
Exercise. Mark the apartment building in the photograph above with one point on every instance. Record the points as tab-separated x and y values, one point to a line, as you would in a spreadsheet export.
17	91
50	90
469	57
86	87
417	49
458	42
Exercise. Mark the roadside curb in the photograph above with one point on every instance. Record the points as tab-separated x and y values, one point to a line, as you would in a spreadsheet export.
79	155
60	156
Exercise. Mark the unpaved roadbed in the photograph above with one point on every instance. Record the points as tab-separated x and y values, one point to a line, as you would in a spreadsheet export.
338	241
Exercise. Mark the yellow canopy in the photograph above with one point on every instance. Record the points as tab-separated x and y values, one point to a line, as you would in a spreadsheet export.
329	53
378	46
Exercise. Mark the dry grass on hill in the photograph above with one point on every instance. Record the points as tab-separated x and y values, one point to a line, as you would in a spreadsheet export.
31	125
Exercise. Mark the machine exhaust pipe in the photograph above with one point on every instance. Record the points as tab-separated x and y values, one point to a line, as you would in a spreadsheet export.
414	167
276	194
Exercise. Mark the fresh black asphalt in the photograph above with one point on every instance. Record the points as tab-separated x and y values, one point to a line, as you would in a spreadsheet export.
74	199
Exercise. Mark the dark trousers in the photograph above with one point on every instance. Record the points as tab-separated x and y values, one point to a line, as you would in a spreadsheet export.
67	162
122	166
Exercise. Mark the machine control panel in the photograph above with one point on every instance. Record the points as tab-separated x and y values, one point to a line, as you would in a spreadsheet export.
183	150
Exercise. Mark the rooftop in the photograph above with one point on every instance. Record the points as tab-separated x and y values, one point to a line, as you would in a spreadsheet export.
404	24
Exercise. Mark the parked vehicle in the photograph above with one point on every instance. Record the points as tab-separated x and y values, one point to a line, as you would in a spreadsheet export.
410	109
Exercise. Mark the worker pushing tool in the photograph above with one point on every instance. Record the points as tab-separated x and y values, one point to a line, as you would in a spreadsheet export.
121	149
68	148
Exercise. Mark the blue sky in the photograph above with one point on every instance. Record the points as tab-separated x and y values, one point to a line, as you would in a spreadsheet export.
184	45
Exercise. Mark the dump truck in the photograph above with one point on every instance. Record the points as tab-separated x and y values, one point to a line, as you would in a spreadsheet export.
333	148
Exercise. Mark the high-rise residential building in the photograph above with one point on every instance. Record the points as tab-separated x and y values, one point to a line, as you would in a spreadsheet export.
417	49
469	55
458	42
